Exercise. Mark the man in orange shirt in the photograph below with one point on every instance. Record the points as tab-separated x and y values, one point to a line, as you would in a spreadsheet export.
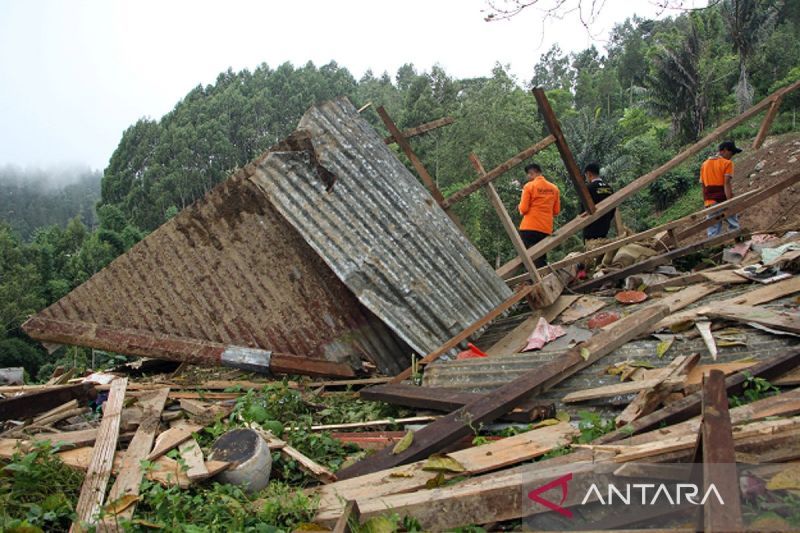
716	175
540	202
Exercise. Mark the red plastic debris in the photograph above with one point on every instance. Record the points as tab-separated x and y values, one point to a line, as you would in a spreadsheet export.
472	352
603	318
630	297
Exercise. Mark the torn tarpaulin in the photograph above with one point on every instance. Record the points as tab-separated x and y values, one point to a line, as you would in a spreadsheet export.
543	334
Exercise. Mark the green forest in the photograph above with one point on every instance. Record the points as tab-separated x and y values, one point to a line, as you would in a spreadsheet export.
629	103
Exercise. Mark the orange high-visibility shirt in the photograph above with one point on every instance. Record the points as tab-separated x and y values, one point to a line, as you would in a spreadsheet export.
712	176
540	202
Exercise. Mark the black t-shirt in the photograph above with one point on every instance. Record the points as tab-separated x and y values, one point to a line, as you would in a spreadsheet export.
599	190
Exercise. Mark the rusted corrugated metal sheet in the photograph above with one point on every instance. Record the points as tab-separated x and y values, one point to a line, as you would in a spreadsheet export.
379	229
230	270
313	250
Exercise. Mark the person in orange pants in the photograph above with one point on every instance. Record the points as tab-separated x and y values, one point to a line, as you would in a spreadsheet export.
539	204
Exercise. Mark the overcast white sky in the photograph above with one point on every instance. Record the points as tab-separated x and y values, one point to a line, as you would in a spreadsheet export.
76	73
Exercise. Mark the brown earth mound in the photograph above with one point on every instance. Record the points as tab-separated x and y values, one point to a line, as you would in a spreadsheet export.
776	160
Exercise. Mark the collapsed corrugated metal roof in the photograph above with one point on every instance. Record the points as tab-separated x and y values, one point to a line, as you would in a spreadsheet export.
310	252
379	229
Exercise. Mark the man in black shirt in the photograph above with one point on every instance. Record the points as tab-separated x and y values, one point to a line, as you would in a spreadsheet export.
599	190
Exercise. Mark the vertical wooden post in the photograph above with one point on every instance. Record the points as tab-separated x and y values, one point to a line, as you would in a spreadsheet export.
566	155
719	458
505	219
404	145
620	225
765	125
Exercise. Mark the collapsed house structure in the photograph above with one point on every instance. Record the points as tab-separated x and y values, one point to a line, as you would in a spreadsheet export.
326	251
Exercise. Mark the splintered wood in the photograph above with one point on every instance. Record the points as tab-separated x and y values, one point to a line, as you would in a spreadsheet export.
93	491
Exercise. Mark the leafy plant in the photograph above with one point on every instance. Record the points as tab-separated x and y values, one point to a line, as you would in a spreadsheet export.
38	491
592	426
754	388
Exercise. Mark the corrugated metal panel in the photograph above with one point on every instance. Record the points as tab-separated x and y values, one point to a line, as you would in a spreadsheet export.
379	229
230	269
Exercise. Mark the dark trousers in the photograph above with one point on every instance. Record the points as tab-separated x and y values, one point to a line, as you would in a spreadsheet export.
531	237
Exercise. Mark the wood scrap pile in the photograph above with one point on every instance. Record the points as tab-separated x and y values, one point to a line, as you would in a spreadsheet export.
671	406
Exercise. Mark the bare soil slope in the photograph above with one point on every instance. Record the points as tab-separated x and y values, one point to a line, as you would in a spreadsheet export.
776	160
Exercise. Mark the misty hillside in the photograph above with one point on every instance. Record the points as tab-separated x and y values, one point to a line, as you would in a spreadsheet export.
31	199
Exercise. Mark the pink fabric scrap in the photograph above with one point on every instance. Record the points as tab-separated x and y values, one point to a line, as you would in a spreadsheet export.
543	334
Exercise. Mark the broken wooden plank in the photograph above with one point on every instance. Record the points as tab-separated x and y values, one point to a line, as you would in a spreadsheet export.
172	437
775	319
583	307
704	327
521	293
580	222
192	455
609	391
34	403
421	129
497	172
457	424
757	296
164	470
306	463
763	130
514	341
690	405
404	145
350	515
575	174
373	423
648	400
653	262
719	458
130	471
443	399
93	490
479	459
203	412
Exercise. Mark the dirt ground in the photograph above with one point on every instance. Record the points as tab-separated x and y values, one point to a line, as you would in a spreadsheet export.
776	160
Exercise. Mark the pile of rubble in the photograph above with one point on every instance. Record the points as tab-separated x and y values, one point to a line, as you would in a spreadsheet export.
621	360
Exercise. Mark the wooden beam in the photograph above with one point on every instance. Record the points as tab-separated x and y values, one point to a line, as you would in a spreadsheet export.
31	404
93	490
580	222
691	405
489	407
447	400
781	320
350	515
130	473
505	220
498	171
653	262
402	142
469	330
307	464
192	455
648	400
719	458
422	128
767	123
172	438
551	121
475	460
759	295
